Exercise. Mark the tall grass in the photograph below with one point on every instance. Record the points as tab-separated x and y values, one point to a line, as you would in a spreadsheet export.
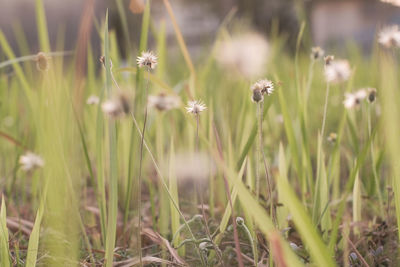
85	204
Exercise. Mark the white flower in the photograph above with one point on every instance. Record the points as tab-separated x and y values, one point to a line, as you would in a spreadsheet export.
246	53
389	36
317	53
337	71
260	88
265	86
195	107
117	106
163	101
93	100
147	59
353	100
30	161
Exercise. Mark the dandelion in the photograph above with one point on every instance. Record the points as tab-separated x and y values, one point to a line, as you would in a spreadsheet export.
353	100
42	61
147	59
246	54
163	102
337	71
389	36
31	161
118	106
317	53
93	100
195	107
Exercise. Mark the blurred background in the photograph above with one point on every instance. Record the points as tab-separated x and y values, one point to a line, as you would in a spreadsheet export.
331	22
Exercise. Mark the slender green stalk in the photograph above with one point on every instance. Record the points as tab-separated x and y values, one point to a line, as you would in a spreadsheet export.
258	151
267	173
113	164
374	173
139	196
325	110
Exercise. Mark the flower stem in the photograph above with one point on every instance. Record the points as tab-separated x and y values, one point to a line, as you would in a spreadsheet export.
325	110
139	196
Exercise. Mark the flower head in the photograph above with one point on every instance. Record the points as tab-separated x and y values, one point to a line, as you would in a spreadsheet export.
371	94
30	161
337	71
147	59
353	100
117	106
93	100
389	36
260	88
42	61
328	59
247	54
317	53
332	137
163	102
195	107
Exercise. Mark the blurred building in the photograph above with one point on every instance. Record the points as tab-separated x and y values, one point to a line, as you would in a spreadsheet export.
340	21
331	22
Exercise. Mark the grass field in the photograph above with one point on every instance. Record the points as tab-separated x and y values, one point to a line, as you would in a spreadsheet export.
92	175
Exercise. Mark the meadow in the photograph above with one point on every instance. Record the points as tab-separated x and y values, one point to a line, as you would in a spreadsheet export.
253	155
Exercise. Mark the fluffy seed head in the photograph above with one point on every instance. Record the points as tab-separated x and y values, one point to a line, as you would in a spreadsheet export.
118	106
163	102
328	59
195	107
389	36
147	59
265	86
337	71
246	54
353	100
31	161
93	100
260	88
42	61
317	53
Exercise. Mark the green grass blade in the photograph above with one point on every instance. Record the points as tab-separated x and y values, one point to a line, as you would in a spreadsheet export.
304	225
113	178
42	27
4	250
